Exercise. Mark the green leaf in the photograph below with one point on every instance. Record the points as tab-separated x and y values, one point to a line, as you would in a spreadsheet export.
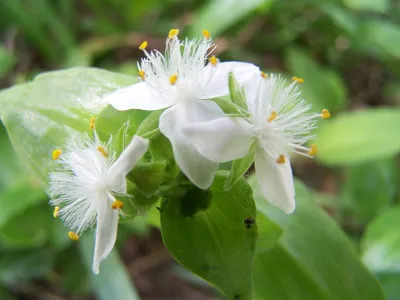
149	127
113	281
380	248
237	92
380	37
148	176
378	6
206	232
313	258
27	230
16	267
41	115
361	136
214	17
381	243
15	200
240	167
323	88
370	187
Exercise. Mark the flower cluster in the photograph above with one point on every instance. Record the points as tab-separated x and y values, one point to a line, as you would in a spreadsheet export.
273	122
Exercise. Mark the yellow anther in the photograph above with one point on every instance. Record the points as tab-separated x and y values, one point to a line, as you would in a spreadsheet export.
281	159
56	154
173	79
92	121
143	45
325	114
102	151
263	75
142	74
213	60
73	236
56	211
206	34
272	116
298	79
313	150
117	204
173	33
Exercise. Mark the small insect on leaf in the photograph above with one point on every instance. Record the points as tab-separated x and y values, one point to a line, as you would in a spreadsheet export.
249	222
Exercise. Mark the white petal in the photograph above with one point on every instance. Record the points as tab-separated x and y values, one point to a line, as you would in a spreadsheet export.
214	79
196	167
137	96
275	181
222	139
106	232
126	162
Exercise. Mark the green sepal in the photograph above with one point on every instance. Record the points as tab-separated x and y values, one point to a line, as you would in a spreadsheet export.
237	92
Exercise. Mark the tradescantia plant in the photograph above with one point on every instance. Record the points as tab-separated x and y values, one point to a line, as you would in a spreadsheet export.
111	147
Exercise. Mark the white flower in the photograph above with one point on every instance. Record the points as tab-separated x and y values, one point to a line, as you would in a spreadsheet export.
279	122
84	188
181	82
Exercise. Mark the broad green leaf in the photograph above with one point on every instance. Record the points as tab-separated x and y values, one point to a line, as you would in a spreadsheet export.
379	6
390	284
41	115
313	258
27	230
15	200
113	281
356	137
380	37
370	187
16	267
323	88
207	233
381	243
213	15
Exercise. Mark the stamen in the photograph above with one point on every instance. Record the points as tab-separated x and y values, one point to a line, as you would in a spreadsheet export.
92	120
173	33
117	204
143	45
56	154
272	116
263	75
325	114
56	211
298	79
73	236
206	34
173	79
313	150
142	74
102	151
281	159
213	60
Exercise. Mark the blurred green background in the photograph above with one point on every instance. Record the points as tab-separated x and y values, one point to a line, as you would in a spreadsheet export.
348	53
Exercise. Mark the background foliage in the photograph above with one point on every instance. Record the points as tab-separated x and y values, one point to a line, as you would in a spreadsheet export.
348	53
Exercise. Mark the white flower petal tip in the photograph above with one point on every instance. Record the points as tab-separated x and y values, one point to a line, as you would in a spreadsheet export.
137	96
275	180
223	139
83	188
